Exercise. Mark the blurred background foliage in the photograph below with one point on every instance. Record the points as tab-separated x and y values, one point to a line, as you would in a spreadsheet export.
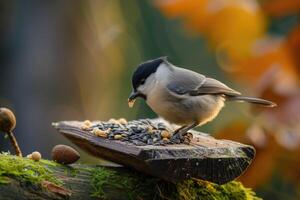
72	60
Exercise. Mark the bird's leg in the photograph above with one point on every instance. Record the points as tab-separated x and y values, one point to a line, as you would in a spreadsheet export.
177	130
184	129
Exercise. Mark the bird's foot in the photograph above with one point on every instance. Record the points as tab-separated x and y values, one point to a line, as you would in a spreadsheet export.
184	136
187	138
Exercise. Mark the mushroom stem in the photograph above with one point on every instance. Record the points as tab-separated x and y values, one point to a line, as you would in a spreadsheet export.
14	142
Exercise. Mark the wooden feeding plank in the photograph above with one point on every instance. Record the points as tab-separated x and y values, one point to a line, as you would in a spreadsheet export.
205	157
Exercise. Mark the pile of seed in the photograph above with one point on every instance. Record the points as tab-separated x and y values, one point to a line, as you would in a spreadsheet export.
138	132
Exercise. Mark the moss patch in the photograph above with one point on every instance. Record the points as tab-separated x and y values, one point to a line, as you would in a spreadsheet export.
197	189
25	170
120	183
138	186
128	185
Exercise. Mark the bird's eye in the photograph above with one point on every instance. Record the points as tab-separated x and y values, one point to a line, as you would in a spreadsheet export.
143	81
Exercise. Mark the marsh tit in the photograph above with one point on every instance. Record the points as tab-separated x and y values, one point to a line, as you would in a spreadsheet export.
181	96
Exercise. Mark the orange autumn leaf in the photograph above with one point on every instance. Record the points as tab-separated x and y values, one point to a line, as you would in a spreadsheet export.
293	43
193	12
266	55
286	114
236	26
290	165
279	8
268	66
232	24
179	8
234	131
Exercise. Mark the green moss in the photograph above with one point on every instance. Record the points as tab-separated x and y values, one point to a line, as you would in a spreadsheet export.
49	163
137	186
99	178
197	189
26	170
129	185
116	183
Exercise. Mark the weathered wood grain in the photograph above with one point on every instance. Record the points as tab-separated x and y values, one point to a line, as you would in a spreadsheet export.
206	158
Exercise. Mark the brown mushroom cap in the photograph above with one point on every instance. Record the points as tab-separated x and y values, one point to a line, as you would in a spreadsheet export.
7	120
64	154
36	156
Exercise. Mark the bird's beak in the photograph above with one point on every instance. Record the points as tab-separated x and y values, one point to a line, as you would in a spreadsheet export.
132	97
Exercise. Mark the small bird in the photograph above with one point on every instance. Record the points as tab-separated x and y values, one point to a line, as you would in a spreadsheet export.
182	96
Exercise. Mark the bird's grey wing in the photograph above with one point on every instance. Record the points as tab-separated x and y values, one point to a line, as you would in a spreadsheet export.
186	82
183	81
213	86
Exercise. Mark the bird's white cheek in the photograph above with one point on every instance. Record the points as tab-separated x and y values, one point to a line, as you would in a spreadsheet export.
142	89
148	86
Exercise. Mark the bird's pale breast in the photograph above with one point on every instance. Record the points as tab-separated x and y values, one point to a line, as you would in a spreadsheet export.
185	110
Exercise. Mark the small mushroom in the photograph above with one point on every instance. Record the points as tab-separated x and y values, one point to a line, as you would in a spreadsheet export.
36	156
7	125
64	154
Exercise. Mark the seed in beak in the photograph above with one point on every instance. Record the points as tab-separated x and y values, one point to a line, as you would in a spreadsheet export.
131	102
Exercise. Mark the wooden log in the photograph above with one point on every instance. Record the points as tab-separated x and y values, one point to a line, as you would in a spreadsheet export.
206	158
23	179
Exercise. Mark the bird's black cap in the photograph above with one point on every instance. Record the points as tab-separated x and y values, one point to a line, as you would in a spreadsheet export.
144	70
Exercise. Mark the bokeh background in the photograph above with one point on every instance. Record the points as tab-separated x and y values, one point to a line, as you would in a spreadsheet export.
72	60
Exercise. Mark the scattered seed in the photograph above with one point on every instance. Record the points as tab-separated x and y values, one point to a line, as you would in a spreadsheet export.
124	135
138	143
150	129
138	132
122	121
165	134
87	123
165	140
176	141
118	137
100	133
84	127
150	141
111	137
113	121
95	130
145	139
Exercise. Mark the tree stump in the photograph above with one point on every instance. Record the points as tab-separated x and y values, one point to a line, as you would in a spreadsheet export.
22	178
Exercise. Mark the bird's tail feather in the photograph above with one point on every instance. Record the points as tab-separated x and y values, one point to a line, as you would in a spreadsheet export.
253	100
